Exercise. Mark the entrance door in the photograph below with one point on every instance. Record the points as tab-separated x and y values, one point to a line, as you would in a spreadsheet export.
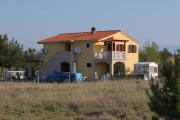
65	67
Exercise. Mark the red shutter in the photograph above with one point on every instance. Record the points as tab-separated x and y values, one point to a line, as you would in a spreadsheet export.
134	48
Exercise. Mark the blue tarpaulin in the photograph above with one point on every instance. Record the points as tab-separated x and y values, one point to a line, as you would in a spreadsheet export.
61	76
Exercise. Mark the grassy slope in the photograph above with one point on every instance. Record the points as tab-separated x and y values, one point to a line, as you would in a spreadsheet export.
85	101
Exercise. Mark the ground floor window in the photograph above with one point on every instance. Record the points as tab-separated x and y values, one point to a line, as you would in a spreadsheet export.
88	65
64	67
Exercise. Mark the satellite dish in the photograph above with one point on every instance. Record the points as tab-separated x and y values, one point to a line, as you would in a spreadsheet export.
77	50
43	50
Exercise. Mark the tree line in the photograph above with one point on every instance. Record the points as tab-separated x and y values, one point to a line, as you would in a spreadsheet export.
13	56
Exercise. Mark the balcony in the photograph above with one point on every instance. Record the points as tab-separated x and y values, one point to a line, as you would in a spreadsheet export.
110	55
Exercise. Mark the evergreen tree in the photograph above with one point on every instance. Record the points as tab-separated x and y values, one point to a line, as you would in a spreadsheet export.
3	51
15	54
165	56
163	100
177	74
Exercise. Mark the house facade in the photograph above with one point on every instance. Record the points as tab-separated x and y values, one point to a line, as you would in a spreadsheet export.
93	53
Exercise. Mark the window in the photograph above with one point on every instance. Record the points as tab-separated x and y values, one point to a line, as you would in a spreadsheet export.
88	65
145	69
138	69
132	48
120	47
155	70
67	46
87	45
151	69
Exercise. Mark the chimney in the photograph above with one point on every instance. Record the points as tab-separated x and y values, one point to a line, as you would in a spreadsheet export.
93	30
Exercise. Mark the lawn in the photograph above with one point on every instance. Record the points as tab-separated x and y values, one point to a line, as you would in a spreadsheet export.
113	100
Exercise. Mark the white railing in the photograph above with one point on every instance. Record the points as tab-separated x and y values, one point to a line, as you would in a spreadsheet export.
110	55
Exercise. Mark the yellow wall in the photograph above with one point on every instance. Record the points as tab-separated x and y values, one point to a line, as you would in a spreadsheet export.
99	47
131	58
102	69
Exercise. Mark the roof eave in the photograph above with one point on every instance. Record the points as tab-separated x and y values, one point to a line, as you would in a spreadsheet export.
49	42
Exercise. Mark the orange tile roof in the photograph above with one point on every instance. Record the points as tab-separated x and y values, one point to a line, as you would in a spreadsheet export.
79	36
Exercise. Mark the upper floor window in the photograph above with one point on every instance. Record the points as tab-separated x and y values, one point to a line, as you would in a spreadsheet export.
87	45
132	48
67	46
120	47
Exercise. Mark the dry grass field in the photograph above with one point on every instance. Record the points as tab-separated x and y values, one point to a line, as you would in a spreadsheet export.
113	100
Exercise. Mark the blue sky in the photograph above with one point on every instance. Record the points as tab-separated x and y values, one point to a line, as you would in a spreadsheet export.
32	20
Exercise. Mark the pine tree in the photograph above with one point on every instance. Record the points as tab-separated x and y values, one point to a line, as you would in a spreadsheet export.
177	74
163	100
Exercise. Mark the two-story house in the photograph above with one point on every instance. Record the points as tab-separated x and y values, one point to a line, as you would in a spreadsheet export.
93	53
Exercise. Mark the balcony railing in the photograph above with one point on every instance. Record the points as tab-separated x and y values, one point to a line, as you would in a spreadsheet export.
110	55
